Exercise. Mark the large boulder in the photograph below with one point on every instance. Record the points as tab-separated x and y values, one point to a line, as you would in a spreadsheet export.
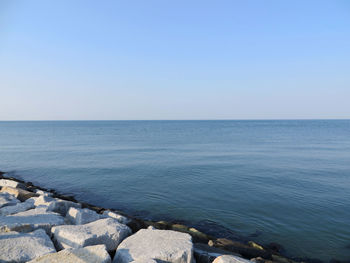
30	220
7	200
95	254
159	245
22	247
106	231
19	207
19	193
79	216
122	219
230	259
11	183
55	204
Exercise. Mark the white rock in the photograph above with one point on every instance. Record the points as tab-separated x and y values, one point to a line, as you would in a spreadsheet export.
41	192
21	247
151	228
6	199
122	219
55	204
106	231
93	254
230	259
30	220
11	183
159	245
79	216
19	207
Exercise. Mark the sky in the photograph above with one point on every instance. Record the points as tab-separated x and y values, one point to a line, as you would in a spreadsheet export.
155	60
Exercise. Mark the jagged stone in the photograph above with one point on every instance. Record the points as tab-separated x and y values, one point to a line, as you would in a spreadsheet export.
11	183
55	204
120	218
79	216
19	193
41	192
91	254
30	220
22	247
230	259
19	207
106	231
159	245
7	199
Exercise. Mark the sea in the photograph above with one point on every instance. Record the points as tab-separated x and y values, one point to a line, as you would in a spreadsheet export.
282	181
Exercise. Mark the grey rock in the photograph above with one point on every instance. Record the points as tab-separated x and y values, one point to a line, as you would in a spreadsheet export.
158	245
91	254
7	199
30	220
55	205
11	183
230	259
19	207
120	218
106	231
22	247
79	216
207	254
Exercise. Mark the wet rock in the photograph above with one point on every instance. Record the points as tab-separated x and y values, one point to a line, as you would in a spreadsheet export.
120	218
240	248
22	247
207	254
79	216
19	207
159	245
136	224
106	231
30	220
255	245
275	247
56	205
230	259
96	254
19	193
7	199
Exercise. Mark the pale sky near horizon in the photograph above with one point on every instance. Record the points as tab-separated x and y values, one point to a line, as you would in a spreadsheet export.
98	60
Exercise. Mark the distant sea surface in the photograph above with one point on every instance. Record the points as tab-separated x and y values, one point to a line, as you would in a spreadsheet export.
268	181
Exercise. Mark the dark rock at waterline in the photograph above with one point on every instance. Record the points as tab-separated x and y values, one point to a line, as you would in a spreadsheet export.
240	248
136	224
275	247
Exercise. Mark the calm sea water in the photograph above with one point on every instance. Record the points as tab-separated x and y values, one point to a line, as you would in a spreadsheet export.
282	181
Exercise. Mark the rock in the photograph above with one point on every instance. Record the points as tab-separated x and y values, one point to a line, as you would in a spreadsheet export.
160	245
240	248
230	259
7	200
106	231
207	254
145	261
255	245
79	216
11	183
41	192
151	228
19	193
19	207
121	219
22	247
55	204
30	220
94	254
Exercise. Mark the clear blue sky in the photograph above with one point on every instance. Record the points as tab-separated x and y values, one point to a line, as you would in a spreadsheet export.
178	59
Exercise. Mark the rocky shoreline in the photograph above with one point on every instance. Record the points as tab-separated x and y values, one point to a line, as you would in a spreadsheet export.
41	225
